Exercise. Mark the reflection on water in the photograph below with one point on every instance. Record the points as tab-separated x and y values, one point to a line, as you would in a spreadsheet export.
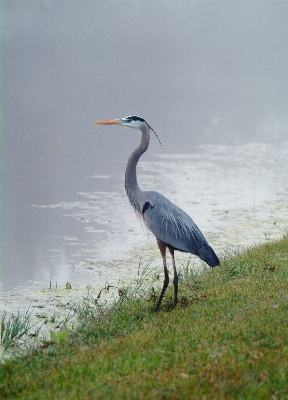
226	190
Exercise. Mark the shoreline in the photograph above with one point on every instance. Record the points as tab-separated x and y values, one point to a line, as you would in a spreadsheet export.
240	228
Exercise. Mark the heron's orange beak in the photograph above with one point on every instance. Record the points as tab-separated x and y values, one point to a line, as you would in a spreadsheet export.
109	122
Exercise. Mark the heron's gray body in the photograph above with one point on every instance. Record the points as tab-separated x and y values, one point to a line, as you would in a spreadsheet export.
175	228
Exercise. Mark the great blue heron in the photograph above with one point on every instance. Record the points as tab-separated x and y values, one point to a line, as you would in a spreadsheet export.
172	227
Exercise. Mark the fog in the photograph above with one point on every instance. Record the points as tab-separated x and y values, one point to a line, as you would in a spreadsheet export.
200	72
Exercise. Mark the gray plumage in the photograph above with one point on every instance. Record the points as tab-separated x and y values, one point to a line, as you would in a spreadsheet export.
175	228
172	227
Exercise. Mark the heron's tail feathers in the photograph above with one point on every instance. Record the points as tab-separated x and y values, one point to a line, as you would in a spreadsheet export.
207	254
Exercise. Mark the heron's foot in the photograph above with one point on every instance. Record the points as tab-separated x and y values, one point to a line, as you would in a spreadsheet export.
175	281
158	303
165	285
157	308
176	297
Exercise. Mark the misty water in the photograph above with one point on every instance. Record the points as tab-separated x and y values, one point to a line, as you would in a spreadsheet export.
211	79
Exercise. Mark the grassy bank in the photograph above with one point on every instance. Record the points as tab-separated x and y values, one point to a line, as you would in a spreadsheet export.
227	339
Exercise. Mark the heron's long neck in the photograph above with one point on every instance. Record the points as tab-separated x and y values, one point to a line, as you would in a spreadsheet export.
131	185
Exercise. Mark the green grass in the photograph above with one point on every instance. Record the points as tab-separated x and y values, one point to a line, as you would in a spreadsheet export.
228	338
14	329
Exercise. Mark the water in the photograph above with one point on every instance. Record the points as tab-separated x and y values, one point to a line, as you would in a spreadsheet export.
93	235
212	81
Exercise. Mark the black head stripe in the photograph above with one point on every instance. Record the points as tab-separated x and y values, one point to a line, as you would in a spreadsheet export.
135	118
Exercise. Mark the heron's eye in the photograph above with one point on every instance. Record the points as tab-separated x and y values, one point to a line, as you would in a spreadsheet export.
129	120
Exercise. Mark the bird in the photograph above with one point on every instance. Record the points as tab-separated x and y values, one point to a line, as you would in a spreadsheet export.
171	226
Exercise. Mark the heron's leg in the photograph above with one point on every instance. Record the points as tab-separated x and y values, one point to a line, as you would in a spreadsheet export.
162	248
175	280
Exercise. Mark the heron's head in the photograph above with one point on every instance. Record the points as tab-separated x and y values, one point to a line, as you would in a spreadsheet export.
131	122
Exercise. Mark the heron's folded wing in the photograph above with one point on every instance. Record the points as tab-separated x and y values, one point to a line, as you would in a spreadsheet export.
174	227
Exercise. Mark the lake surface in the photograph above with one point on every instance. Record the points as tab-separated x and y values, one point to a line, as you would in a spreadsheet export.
237	195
